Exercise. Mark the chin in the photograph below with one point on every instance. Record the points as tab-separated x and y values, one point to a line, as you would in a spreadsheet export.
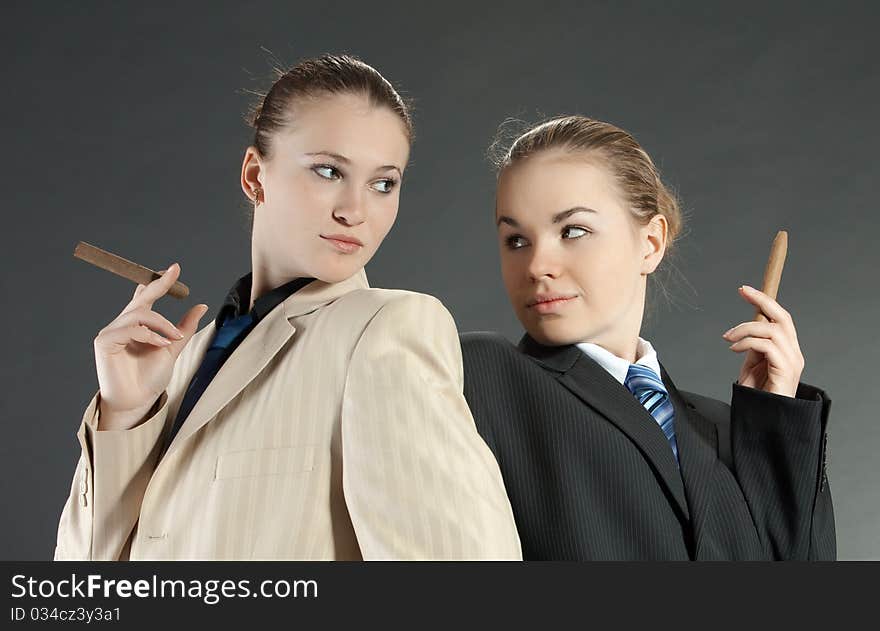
554	340
336	273
553	335
548	336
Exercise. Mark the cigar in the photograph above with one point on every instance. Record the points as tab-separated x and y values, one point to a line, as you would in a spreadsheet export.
125	268
773	271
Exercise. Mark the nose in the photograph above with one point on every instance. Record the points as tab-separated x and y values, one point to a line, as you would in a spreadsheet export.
351	207
543	264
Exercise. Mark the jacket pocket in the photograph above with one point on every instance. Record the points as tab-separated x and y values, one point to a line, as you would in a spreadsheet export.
259	462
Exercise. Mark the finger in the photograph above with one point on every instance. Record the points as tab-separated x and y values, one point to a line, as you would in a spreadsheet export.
114	340
767	305
766	347
752	359
188	325
158	287
134	303
152	319
783	335
754	370
753	329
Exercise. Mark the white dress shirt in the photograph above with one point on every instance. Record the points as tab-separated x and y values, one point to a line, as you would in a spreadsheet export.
616	366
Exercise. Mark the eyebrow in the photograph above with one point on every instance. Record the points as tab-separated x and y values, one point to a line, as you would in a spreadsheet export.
344	160
560	216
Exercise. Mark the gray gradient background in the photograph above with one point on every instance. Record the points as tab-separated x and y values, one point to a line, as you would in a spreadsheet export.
123	127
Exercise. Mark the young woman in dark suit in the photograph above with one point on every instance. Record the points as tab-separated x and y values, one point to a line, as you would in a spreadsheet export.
602	456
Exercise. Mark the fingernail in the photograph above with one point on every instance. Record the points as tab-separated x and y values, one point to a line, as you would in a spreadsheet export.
748	288
178	333
726	333
165	342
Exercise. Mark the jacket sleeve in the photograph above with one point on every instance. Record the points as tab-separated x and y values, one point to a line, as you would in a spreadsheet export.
108	485
418	480
779	448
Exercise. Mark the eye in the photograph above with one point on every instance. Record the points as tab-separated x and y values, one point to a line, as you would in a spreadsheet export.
515	242
384	186
327	171
574	232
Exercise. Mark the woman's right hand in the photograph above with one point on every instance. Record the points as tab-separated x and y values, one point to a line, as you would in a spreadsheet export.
135	354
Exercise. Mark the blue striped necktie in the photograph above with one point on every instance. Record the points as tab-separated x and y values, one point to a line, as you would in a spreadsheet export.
651	393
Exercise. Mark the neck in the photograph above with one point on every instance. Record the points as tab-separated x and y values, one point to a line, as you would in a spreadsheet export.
625	349
265	278
622	339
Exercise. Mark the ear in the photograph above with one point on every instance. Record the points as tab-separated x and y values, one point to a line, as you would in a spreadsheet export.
251	172
653	239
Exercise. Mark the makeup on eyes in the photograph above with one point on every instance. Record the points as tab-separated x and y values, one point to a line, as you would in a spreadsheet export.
392	183
343	160
318	166
338	174
508	241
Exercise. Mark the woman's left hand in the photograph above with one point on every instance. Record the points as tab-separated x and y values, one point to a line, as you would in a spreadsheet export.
773	360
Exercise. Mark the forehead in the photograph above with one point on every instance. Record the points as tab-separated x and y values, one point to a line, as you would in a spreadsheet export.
551	181
346	124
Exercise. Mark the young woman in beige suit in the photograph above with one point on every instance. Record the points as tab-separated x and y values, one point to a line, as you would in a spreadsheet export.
315	417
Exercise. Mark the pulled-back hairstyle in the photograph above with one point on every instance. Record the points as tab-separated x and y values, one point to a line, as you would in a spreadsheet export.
632	167
327	74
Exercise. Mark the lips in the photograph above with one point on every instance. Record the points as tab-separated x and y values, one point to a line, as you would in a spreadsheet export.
345	238
343	242
550	298
550	303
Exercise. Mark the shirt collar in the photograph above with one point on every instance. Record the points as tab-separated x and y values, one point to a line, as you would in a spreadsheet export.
618	367
239	297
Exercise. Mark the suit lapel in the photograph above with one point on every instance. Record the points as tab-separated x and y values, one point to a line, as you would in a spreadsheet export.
697	452
595	387
257	349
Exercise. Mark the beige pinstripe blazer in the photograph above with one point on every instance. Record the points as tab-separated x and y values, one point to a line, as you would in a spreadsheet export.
336	430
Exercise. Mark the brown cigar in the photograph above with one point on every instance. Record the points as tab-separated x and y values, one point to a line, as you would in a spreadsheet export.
773	271
125	268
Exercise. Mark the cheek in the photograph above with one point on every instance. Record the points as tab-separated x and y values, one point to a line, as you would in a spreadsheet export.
298	202
385	215
609	278
512	274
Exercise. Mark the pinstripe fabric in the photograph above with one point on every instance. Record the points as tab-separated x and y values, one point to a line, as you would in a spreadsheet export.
336	430
590	474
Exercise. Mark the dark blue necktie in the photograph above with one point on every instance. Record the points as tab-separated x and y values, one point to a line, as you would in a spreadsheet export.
227	338
651	393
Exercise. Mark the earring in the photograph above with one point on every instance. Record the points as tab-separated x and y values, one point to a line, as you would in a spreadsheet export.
257	192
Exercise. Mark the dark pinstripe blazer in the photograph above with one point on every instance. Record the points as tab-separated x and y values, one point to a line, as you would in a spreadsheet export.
590	474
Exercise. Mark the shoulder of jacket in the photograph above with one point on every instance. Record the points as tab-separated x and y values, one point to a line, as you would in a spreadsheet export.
487	340
402	303
381	297
490	347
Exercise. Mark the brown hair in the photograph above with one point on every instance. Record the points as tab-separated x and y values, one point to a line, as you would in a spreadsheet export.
633	168
327	74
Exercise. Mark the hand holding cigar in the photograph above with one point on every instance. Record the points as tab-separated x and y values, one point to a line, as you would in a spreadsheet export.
773	361
135	353
123	267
